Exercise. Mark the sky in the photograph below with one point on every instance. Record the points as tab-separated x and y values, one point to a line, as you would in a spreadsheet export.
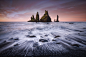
22	10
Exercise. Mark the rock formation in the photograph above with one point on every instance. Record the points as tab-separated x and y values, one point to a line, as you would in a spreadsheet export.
45	17
57	19
37	17
32	18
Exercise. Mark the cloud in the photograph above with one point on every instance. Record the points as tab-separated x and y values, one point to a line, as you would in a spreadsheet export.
23	9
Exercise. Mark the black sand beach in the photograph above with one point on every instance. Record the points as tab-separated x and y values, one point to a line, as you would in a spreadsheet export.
52	39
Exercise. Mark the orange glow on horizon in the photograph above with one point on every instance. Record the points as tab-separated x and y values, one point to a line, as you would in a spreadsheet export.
22	10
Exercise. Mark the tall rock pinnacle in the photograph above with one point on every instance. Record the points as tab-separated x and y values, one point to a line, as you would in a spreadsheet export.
37	17
57	18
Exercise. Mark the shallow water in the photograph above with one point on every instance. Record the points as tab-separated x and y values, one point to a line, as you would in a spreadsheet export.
52	37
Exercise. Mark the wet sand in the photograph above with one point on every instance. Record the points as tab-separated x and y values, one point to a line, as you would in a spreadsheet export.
42	39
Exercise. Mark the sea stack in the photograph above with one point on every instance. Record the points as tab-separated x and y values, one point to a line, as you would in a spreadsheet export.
57	18
45	17
32	18
37	17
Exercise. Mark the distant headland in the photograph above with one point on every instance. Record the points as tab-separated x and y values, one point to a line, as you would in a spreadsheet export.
44	18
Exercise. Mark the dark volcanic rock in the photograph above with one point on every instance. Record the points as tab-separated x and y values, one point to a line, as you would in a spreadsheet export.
75	45
30	36
81	31
56	36
43	40
11	39
4	41
45	17
46	35
37	17
58	43
16	44
53	40
84	28
32	18
57	19
16	39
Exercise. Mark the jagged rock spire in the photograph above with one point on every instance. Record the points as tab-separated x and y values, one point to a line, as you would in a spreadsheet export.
32	18
45	17
37	17
46	12
57	18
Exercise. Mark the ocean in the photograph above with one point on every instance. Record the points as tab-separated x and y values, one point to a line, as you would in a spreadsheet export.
42	39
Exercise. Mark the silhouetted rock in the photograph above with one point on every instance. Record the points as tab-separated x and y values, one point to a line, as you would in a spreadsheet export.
58	43
31	36
57	19
37	17
75	45
16	39
11	39
45	17
46	35
53	40
32	18
16	44
43	40
84	28
56	36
